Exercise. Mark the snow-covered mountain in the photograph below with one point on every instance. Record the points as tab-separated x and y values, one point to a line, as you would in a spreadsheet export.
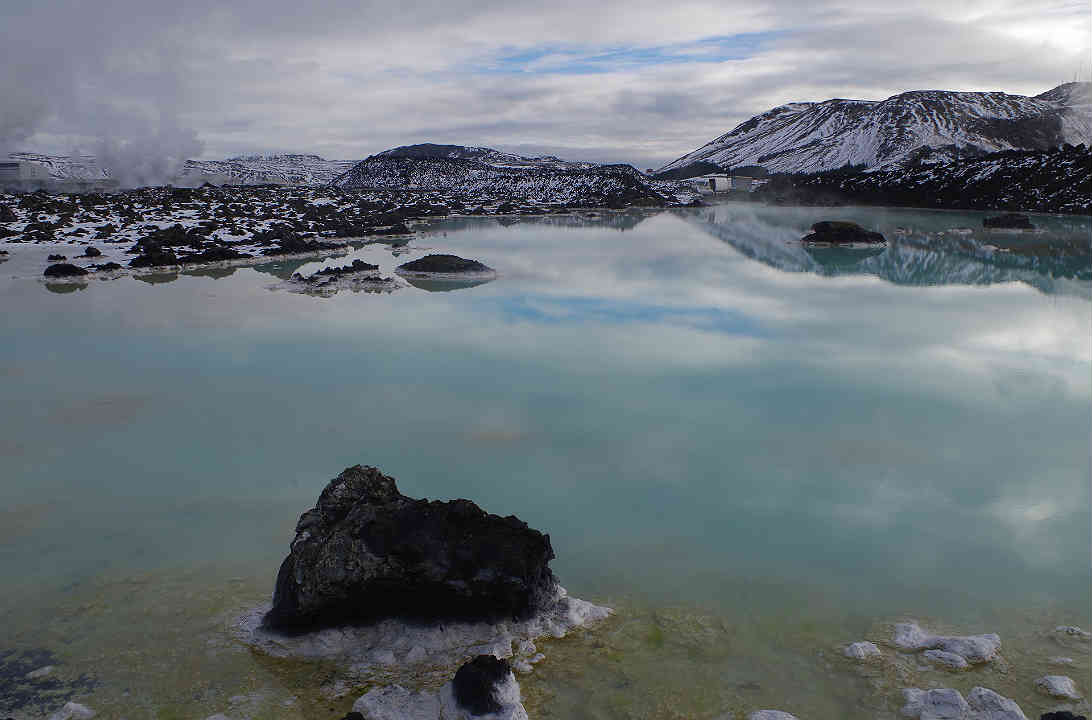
288	169
917	125
483	173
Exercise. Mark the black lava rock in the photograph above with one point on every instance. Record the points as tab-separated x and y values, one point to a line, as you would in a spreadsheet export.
1009	220
354	715
366	552
64	270
92	251
7	214
213	254
475	684
444	264
839	231
356	266
109	266
56	258
1061	715
154	257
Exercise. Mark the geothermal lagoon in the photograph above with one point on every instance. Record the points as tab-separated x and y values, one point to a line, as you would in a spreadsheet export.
756	453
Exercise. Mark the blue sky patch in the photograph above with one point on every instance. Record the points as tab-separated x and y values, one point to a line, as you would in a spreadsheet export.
573	60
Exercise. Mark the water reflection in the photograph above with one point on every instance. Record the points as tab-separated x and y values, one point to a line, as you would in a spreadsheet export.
925	247
432	285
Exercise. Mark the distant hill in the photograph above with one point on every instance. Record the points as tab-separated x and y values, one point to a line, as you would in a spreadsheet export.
922	125
286	169
484	155
484	173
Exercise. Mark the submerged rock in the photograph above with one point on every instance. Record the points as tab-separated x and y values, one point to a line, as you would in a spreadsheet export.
56	258
366	552
91	251
974	649
445	264
771	715
862	651
948	704
1058	686
1014	221
945	659
73	711
840	232
64	270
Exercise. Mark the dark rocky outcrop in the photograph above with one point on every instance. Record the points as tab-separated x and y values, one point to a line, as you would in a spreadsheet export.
839	232
1008	220
56	258
475	684
444	264
154	257
354	267
64	270
92	251
1061	715
366	552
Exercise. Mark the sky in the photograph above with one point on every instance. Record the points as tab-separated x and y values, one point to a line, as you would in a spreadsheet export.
641	81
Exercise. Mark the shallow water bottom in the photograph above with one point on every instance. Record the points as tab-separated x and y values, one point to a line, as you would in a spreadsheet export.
160	645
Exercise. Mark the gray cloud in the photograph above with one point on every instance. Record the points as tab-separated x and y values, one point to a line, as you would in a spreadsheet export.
147	82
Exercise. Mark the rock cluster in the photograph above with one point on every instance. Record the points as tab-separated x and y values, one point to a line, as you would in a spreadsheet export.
954	651
948	704
366	552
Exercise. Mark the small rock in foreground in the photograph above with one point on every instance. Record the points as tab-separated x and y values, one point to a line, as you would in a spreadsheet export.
92	251
73	711
771	715
862	651
1058	686
475	684
395	702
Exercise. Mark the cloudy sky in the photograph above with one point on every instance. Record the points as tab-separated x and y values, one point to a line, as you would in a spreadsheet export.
640	81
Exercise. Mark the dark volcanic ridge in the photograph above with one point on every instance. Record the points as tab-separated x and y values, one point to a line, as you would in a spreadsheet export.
1050	181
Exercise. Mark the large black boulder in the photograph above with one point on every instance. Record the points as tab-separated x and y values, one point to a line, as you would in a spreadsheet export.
475	684
1014	221
444	264
839	232
366	552
64	270
1061	715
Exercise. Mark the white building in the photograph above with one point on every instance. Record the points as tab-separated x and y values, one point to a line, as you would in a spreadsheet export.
15	172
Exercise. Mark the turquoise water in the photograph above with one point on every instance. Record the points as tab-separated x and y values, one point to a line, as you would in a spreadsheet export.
754	451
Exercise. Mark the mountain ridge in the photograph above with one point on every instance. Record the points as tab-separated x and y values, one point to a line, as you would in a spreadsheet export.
913	125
